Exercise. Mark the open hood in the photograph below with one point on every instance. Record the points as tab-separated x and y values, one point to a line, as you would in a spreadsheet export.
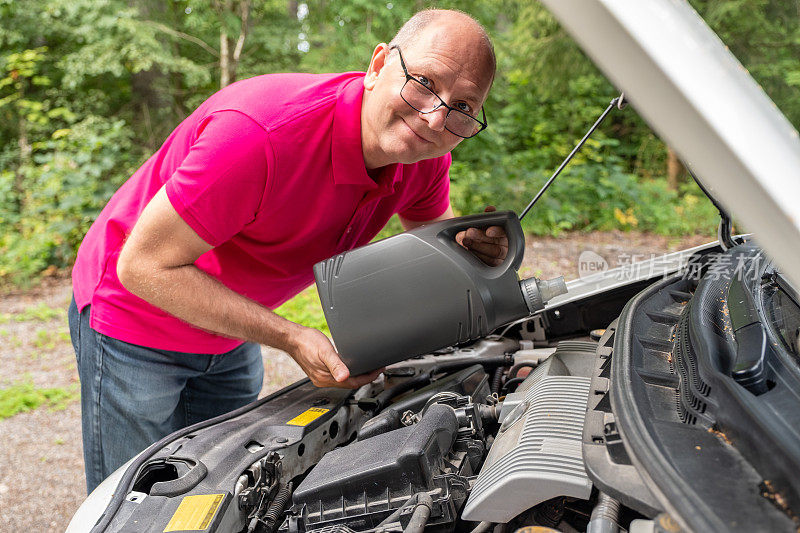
693	92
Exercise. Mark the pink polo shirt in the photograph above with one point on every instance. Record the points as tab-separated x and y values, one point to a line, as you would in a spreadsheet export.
270	172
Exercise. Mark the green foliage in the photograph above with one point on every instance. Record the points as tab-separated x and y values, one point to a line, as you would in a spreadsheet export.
40	313
23	396
586	197
89	88
305	309
393	227
765	36
48	339
60	191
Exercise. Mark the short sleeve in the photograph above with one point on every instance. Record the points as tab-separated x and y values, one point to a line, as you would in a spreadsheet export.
434	199
218	187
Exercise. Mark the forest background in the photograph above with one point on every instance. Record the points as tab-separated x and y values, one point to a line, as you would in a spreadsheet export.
90	88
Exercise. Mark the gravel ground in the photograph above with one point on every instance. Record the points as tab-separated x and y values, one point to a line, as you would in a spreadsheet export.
41	462
550	256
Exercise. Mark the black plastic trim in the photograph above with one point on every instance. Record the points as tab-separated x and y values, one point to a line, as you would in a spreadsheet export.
642	449
185	483
706	480
124	485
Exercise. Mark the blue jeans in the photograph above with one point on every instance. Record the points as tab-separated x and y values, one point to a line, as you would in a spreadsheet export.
132	396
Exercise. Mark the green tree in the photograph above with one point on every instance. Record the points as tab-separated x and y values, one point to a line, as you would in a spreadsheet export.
89	88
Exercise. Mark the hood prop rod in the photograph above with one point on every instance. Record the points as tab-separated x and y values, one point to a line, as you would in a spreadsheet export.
725	229
618	102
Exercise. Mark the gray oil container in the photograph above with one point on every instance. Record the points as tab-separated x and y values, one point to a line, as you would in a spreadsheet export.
420	291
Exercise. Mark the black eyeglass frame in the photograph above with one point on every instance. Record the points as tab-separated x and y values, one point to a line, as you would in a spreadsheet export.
442	103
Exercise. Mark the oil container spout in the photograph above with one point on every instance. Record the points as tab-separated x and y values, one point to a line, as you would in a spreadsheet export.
537	292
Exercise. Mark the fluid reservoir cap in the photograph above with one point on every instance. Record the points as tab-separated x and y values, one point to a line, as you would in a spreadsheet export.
538	292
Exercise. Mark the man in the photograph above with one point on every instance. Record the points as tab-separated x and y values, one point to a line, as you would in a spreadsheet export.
225	221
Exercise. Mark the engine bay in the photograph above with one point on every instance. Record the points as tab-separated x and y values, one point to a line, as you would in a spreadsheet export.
437	452
547	425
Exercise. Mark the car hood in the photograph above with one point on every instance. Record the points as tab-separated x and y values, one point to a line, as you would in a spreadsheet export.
693	92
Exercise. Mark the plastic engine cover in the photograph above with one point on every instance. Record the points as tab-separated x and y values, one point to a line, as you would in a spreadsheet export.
537	454
379	473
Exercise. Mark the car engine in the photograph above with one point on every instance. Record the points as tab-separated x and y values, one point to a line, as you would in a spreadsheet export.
421	461
644	406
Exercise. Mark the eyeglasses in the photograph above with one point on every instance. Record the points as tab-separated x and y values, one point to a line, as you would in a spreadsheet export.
421	98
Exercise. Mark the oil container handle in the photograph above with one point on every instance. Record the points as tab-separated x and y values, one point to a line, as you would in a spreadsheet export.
506	219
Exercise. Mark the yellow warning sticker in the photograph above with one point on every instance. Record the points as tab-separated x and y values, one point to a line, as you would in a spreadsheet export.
195	513
306	417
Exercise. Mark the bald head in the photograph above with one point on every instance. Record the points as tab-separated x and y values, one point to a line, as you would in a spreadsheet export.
424	20
449	54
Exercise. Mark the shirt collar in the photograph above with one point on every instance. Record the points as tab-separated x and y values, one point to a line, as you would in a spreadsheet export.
346	153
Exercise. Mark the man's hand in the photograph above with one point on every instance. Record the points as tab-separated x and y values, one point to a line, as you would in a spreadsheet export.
318	359
490	245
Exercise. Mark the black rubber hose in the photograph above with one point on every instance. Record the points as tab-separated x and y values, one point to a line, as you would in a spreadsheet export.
396	513
377	403
512	381
497	379
493	361
489	413
421	514
274	510
512	372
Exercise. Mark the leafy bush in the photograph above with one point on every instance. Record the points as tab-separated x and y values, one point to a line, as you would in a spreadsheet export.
587	196
65	185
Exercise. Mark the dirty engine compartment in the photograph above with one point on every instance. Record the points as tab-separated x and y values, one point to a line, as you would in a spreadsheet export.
548	423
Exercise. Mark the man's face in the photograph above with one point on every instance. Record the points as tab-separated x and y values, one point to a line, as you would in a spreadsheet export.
449	58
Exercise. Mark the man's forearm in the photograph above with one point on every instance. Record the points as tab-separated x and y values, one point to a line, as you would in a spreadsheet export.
201	300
